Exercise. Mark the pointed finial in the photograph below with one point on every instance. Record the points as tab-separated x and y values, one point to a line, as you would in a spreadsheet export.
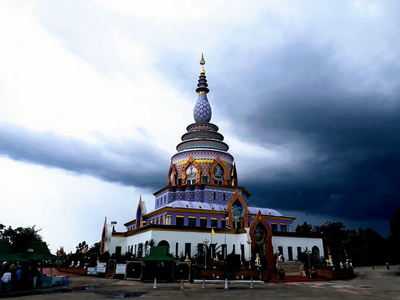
202	63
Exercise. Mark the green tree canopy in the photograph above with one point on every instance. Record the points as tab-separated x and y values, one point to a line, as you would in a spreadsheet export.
336	239
394	237
367	247
304	228
20	238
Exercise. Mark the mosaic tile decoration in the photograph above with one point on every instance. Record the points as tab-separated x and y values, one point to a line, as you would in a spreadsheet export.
202	154
202	127
202	109
202	195
202	135
202	143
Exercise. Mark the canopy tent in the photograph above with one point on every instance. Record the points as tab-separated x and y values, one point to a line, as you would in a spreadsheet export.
39	251
158	264
6	253
158	253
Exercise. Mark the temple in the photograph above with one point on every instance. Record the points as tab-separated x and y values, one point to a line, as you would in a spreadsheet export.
204	205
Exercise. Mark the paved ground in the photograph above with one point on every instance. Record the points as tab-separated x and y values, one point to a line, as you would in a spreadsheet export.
377	284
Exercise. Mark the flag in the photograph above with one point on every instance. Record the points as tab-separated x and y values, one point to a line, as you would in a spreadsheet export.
212	231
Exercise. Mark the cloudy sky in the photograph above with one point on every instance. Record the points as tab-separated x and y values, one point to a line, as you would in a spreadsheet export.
95	95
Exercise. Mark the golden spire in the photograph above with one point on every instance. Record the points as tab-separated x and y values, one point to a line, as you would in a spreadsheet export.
202	62
202	84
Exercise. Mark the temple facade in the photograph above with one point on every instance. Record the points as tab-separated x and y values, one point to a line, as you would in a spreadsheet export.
204	205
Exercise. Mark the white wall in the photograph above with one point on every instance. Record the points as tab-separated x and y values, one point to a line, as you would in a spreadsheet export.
294	242
182	237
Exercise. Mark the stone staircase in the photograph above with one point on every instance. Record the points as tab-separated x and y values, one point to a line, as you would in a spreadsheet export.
291	268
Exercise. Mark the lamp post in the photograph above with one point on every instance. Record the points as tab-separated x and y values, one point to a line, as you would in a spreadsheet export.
249	242
309	261
205	251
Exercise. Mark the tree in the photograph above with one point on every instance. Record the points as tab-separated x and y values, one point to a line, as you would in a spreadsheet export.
336	240
394	237
85	255
367	247
304	228
21	237
82	247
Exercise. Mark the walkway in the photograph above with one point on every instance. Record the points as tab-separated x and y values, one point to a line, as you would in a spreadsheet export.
379	284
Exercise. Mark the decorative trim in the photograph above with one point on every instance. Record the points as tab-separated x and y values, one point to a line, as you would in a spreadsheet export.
189	162
172	170
267	239
213	165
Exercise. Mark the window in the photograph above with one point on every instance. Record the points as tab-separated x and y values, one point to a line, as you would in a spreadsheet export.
290	253
224	251
283	227
215	195
192	221
176	250
214	223
118	250
280	249
179	220
237	214
298	252
224	197
218	175
140	250
188	249
223	223
180	181
203	222
274	227
212	249
168	220
191	174
243	259
200	250
204	179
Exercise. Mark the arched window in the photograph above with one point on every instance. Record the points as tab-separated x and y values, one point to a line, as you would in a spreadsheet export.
315	253
237	214
218	174
191	174
164	243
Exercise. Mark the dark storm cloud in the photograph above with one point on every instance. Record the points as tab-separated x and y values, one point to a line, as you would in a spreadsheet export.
341	125
127	163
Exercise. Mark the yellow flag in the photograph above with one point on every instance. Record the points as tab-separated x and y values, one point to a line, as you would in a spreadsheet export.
212	231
